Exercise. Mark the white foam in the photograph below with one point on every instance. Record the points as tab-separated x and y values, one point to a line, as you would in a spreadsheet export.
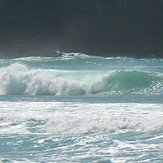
17	79
79	118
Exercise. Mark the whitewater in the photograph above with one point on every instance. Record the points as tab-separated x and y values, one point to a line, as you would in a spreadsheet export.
80	108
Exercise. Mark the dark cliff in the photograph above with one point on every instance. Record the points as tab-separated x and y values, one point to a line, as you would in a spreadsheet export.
96	27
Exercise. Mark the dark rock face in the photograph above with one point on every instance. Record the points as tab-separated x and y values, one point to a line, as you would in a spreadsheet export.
96	27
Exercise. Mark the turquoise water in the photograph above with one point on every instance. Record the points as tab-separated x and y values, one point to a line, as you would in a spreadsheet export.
79	108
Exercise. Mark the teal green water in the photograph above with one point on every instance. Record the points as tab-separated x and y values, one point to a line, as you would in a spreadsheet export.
79	74
79	108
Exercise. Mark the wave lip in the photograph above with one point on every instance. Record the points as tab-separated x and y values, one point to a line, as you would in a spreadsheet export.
18	79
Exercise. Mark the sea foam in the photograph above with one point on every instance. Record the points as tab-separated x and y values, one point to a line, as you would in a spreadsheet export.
79	118
17	79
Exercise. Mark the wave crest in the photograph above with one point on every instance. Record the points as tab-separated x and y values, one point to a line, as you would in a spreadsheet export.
18	79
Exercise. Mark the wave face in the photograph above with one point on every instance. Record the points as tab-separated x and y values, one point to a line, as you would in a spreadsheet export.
78	74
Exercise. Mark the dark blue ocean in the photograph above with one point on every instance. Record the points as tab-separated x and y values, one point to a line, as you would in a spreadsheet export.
79	108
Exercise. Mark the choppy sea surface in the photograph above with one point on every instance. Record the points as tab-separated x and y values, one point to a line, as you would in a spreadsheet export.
80	108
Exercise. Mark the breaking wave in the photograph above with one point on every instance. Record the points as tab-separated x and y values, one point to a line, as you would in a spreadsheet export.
18	79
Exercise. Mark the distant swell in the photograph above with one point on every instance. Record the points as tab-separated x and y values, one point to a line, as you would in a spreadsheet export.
18	79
